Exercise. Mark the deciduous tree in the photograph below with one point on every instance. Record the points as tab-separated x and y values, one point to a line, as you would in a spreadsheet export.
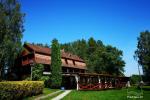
142	54
11	28
99	58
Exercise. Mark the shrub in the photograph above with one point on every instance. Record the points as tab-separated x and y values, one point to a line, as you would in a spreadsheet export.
37	74
46	80
135	79
28	79
37	71
18	89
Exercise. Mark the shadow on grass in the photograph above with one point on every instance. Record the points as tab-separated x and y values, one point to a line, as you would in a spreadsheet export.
146	89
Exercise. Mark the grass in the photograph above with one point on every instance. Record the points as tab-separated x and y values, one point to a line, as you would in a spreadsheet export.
117	94
46	91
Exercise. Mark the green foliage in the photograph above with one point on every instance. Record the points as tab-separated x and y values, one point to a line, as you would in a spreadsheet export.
37	71
56	76
78	47
11	28
12	90
98	57
28	78
46	80
142	54
37	74
135	79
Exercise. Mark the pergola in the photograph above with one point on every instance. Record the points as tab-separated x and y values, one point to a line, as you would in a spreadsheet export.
93	81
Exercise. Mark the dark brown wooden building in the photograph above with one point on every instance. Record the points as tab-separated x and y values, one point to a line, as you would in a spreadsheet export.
33	54
74	69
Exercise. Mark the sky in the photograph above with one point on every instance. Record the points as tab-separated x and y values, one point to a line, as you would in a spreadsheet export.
115	22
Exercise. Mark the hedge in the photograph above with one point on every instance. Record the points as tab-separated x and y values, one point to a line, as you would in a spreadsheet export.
11	90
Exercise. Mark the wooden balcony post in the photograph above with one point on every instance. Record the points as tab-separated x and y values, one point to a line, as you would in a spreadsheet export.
105	82
110	82
67	70
77	80
99	81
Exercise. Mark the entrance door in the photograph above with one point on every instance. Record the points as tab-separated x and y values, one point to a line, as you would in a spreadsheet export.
69	82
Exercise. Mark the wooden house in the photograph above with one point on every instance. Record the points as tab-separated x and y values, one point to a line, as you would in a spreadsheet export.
33	54
74	69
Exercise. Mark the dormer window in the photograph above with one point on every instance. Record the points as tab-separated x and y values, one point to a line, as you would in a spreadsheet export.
73	62
69	55
66	61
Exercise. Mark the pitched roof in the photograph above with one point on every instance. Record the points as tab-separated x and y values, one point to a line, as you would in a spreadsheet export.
47	51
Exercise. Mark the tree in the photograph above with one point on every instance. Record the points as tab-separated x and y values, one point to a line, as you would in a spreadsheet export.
108	60
135	79
99	58
78	47
114	60
142	53
37	72
11	28
56	76
91	45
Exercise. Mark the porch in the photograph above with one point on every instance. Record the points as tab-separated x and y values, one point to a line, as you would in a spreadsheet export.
93	81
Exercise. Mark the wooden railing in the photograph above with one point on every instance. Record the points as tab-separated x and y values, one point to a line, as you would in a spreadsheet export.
99	86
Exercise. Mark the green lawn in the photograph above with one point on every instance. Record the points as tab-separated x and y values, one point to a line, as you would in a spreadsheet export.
108	94
46	91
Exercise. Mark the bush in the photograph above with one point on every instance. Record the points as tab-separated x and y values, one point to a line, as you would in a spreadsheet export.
37	71
18	89
135	79
28	79
46	80
37	75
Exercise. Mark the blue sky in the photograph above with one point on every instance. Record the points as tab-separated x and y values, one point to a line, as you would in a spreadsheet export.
115	22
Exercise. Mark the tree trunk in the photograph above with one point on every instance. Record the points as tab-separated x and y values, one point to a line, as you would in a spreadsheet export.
0	73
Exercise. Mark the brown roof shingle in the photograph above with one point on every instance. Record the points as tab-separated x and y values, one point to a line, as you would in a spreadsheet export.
47	51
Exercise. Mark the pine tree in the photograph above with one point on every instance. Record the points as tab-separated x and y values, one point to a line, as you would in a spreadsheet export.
56	76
